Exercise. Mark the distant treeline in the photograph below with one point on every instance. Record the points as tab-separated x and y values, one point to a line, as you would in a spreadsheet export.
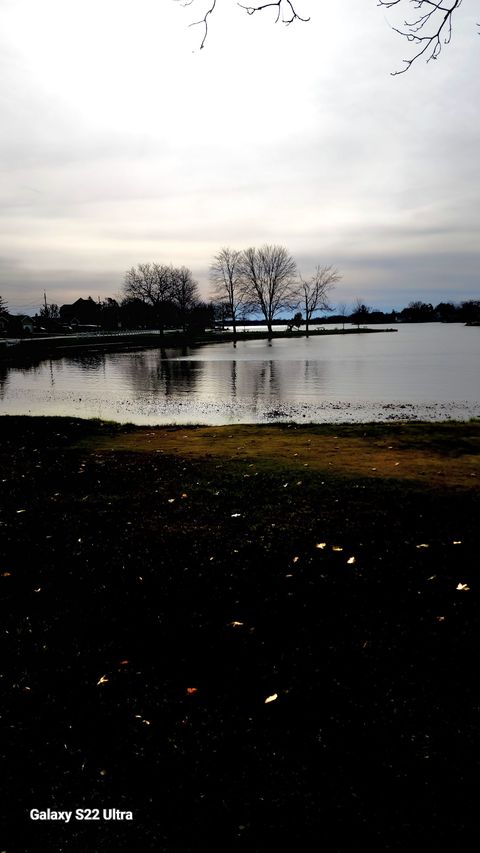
195	315
415	312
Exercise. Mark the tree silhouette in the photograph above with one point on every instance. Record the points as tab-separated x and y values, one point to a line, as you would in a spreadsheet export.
315	291
269	274
360	312
229	287
50	311
153	284
342	312
185	293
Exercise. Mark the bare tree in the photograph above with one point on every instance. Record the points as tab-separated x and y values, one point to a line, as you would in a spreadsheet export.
153	284
49	311
360	312
316	290
342	312
3	307
295	322
285	11
229	287
185	293
428	30
270	278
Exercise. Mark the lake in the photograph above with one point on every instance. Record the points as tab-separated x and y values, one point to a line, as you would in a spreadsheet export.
422	371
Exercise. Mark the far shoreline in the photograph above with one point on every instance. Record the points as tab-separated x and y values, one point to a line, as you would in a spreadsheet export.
19	351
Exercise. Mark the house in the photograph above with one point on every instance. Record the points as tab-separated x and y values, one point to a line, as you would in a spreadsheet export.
19	325
83	312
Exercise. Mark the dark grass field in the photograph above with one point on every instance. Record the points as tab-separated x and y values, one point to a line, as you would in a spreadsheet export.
154	601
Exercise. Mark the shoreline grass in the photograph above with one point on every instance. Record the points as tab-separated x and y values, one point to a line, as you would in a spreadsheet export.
156	601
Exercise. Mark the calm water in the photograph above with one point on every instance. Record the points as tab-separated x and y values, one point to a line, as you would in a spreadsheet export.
421	371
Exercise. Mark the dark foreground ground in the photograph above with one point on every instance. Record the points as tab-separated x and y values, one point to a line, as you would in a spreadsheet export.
154	601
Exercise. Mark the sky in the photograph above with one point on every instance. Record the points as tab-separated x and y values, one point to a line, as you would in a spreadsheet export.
122	142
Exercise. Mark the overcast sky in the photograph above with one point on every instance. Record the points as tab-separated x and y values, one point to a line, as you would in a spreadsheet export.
121	142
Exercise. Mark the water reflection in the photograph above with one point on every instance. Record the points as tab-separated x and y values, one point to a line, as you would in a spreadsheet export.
421	371
3	379
151	372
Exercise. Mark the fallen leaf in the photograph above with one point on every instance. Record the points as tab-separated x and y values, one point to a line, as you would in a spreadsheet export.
321	545
463	586
102	680
271	698
191	690
351	561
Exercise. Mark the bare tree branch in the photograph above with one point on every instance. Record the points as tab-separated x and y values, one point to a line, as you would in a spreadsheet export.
204	21
281	4
428	28
284	7
429	31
